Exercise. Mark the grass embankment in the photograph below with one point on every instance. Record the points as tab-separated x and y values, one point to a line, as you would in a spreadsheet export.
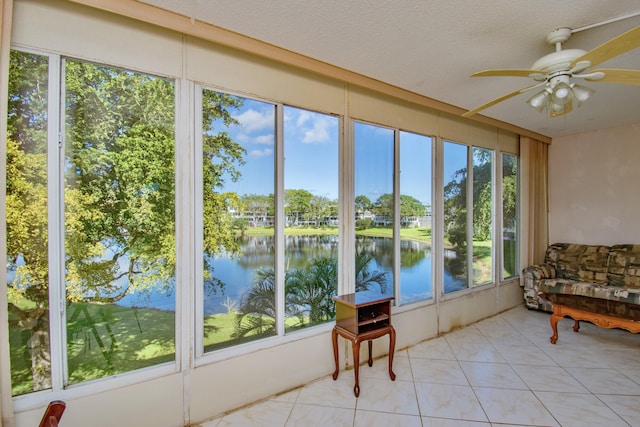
419	234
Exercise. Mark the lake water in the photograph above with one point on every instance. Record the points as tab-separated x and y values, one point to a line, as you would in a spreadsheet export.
237	273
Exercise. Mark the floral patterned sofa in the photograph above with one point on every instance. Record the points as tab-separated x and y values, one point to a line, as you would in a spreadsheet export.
600	284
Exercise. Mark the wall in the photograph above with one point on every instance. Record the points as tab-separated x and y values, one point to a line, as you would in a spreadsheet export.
593	187
194	390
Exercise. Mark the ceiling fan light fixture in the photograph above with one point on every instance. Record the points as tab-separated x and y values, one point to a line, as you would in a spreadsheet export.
562	93
556	110
581	93
540	100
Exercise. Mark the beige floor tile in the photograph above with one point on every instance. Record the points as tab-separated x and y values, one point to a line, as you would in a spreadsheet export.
496	375
398	397
549	378
304	415
449	401
605	381
627	407
476	352
572	409
327	392
513	407
437	348
524	355
265	414
438	371
383	419
446	422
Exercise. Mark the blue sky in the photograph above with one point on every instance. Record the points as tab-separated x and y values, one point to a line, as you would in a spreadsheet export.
311	154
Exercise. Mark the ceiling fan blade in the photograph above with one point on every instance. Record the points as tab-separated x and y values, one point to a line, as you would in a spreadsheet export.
502	98
628	77
506	73
614	47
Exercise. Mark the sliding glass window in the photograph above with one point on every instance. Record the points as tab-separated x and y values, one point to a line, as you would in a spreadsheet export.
90	222
238	219
415	217
393	228
310	217
374	206
119	220
510	216
27	223
468	216
483	205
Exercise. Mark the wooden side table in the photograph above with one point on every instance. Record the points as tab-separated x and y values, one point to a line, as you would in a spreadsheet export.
359	319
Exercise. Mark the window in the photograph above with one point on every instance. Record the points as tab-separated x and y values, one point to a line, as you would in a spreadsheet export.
27	223
238	219
119	213
382	215
468	216
114	279
510	215
240	277
374	205
415	217
310	217
482	216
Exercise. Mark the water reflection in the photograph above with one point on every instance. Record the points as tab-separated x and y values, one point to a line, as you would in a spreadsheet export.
257	252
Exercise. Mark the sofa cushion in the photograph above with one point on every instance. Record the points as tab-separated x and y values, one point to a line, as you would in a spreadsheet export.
586	289
624	266
584	263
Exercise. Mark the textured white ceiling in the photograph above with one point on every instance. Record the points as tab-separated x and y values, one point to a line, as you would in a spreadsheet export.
432	46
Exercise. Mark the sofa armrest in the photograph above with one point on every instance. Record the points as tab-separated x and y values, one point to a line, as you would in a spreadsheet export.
539	272
533	276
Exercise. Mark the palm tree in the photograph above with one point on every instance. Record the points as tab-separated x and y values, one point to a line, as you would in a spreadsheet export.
308	294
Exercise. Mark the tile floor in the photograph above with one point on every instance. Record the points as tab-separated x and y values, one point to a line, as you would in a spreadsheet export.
501	371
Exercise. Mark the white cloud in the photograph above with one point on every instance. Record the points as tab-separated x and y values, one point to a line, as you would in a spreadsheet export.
303	117
261	153
318	133
252	120
264	139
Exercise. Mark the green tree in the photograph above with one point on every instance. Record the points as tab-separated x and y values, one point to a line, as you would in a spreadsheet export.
455	201
363	204
383	206
410	207
297	205
26	213
119	190
257	207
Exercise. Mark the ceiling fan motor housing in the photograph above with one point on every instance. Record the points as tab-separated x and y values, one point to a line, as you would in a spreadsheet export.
558	61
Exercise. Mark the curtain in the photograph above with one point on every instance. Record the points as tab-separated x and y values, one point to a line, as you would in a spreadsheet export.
534	213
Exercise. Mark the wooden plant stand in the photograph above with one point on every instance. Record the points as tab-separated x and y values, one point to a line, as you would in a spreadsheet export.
362	320
602	320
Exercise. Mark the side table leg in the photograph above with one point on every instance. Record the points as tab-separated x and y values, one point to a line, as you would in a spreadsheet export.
334	339
356	366
370	361
392	346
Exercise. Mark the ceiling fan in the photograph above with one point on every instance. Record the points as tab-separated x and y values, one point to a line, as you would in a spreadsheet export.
555	73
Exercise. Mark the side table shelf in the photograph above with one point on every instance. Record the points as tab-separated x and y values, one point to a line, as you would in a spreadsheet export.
359	319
